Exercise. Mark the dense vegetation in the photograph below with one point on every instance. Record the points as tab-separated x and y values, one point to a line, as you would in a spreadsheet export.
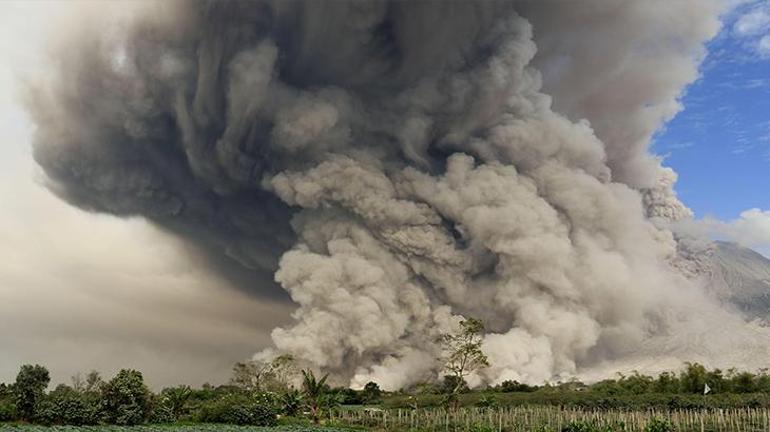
273	393
263	395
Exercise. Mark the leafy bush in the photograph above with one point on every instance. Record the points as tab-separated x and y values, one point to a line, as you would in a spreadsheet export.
371	392
67	408
291	402
481	428
487	401
590	426
348	396
161	413
174	400
509	386
7	411
125	398
657	425
238	411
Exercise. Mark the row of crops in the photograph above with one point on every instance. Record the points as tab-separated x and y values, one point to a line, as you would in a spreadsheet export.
509	419
170	428
544	418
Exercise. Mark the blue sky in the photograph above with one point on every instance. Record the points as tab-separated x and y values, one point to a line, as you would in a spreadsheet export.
720	143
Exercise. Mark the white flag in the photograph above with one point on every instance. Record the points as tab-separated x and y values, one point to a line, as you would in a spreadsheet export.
706	389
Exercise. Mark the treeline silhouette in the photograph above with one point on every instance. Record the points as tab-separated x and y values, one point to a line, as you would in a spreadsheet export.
261	393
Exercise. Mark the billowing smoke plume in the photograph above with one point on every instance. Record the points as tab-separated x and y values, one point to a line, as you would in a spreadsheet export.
400	165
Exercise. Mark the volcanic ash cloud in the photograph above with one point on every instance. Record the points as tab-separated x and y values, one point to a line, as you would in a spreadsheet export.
397	165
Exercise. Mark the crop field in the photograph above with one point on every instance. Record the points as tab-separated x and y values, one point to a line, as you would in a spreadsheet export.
172	428
510	419
546	419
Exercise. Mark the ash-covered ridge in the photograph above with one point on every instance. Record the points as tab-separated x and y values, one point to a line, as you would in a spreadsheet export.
741	277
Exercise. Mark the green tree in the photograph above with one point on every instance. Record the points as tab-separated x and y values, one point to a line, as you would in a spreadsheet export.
314	392
175	399
637	383
693	378
450	385
7	405
29	389
666	382
371	392
743	382
65	405
462	352
126	399
509	386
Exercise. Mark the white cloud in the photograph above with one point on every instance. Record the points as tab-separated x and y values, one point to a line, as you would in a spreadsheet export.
750	229
752	26
763	46
754	22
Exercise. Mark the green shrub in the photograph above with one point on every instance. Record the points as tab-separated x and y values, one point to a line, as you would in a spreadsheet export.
481	428
509	386
590	426
238	411
371	392
657	425
487	401
125	399
291	402
7	411
161	413
66	406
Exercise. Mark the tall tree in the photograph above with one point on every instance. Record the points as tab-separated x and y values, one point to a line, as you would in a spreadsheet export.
462	352
371	392
257	375
92	382
126	399
29	389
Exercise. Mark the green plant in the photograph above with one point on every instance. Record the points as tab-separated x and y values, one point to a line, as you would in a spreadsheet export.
509	386
371	392
7	411
66	406
291	402
591	426
175	400
487	401
481	428
161	414
29	389
125	398
314	391
239	410
658	425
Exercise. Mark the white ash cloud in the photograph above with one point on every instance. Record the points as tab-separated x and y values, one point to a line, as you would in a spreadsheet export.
400	165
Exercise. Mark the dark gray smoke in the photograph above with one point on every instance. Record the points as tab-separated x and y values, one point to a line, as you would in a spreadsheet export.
399	165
